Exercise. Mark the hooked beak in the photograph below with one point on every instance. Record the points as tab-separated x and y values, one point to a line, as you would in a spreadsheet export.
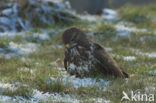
67	45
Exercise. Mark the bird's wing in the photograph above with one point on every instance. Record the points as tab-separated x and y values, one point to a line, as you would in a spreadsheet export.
106	62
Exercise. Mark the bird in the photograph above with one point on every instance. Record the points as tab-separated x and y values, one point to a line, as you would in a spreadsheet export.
84	58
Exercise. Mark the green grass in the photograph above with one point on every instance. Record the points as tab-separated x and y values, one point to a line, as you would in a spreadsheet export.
36	69
4	42
141	16
20	90
134	14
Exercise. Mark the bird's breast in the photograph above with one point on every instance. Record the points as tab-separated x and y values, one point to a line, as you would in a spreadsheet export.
81	61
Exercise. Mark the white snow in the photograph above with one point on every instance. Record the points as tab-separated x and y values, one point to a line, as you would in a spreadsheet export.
15	49
11	21
148	54
129	58
37	96
59	46
60	3
88	17
6	85
10	34
78	82
53	97
56	97
49	97
154	32
153	19
108	49
11	18
85	82
124	30
100	100
125	58
109	14
7	11
5	99
5	20
40	96
42	36
152	72
25	69
23	48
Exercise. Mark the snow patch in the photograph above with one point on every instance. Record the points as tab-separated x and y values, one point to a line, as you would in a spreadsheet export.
25	69
42	97
6	85
129	58
39	96
55	97
10	34
153	19
125	58
109	14
124	30
150	89
7	11
150	55
41	36
85	82
100	100
78	82
15	49
23	48
152	72
89	18
45	10
154	32
5	99
108	49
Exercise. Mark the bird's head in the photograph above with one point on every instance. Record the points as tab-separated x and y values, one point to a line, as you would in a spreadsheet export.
73	36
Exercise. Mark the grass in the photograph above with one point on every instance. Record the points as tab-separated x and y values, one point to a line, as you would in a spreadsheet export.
35	69
20	90
139	15
135	15
4	42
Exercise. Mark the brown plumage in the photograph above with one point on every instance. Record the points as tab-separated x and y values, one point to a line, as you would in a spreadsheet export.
84	57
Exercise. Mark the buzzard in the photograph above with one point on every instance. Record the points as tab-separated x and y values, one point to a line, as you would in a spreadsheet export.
85	58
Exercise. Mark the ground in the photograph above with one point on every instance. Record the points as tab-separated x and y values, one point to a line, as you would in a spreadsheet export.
31	62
